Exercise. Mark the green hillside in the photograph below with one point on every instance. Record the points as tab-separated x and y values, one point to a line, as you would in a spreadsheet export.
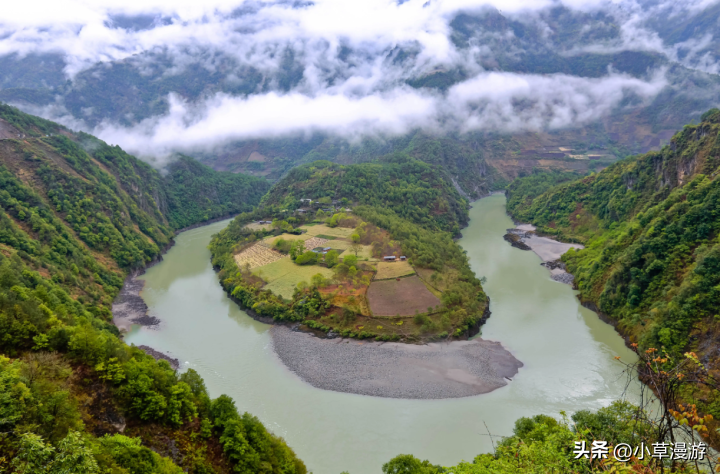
414	190
76	215
651	227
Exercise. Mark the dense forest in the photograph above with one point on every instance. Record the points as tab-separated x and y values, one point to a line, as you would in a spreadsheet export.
650	225
414	190
76	215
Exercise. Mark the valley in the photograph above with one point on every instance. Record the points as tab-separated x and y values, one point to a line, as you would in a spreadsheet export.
337	237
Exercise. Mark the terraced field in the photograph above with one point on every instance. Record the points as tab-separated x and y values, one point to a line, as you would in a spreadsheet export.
257	256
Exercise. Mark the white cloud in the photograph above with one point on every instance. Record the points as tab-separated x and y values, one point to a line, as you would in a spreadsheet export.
364	93
502	102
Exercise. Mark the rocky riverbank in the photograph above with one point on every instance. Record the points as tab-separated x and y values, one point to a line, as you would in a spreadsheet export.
174	363
524	237
432	371
129	308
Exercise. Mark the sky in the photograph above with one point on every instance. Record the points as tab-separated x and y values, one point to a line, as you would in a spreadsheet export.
364	94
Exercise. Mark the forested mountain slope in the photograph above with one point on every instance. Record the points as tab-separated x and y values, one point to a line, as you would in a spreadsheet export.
76	216
651	226
414	190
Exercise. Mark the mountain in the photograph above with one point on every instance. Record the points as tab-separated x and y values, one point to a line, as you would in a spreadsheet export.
411	188
575	89
76	216
650	226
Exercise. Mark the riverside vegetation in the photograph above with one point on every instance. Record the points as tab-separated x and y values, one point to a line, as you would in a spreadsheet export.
651	227
401	207
76	216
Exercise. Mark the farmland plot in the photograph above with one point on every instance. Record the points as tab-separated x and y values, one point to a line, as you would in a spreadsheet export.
315	242
387	270
322	229
257	256
403	297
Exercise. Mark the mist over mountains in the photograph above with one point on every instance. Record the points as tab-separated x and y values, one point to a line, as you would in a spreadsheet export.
161	77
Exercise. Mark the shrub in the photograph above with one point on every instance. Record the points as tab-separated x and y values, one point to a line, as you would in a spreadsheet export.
308	258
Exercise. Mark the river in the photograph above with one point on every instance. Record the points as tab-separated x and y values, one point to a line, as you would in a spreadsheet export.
567	351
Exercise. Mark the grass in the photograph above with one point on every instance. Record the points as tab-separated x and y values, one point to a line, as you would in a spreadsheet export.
386	270
283	275
328	237
271	240
256	226
339	244
322	229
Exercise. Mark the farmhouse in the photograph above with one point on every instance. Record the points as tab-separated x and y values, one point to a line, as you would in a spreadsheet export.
389	258
403	258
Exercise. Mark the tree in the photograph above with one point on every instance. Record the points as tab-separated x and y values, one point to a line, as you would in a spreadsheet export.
355	248
320	214
317	280
350	260
296	249
71	455
409	464
341	270
331	258
307	258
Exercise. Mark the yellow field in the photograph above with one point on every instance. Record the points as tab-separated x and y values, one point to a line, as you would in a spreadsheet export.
256	226
283	275
257	256
322	229
387	270
316	242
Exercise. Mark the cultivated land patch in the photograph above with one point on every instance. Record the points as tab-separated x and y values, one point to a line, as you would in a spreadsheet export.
339	244
316	242
387	270
403	297
367	252
322	229
257	256
284	275
256	226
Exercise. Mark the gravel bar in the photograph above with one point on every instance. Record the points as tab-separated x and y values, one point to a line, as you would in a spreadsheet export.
393	370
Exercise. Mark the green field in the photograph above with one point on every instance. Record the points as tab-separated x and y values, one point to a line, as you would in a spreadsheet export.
283	275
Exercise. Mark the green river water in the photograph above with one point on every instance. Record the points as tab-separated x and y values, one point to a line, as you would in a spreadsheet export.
567	351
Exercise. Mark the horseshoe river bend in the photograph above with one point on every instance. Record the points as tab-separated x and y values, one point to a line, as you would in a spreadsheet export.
567	351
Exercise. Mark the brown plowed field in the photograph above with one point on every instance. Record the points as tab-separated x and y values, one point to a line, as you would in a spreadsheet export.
404	297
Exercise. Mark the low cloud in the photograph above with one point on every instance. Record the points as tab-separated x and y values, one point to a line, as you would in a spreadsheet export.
501	102
355	60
